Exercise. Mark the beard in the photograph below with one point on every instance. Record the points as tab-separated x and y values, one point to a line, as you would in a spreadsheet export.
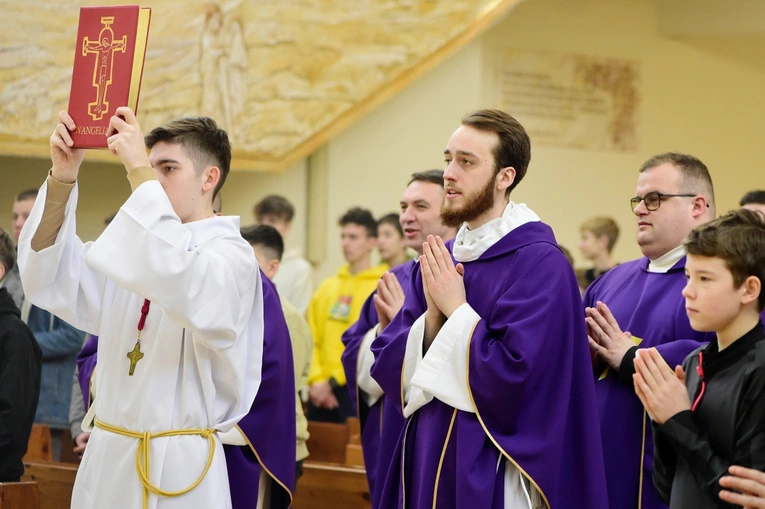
473	207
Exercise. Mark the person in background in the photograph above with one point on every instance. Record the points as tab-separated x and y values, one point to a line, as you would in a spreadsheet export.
598	236
20	370
674	194
268	247
22	206
754	200
336	306
390	240
295	278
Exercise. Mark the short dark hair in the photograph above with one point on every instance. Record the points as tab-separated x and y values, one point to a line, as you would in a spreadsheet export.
393	220
514	146
7	251
265	237
432	176
361	217
29	194
695	174
738	239
205	143
274	205
756	197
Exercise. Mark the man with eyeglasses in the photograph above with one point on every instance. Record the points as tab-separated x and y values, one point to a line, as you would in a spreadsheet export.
674	195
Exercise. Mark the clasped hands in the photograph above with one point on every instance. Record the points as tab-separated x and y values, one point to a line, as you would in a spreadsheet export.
442	281
388	300
124	139
662	391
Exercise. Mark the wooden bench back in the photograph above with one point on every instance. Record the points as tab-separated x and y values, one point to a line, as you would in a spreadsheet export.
39	447
54	480
19	495
325	486
327	442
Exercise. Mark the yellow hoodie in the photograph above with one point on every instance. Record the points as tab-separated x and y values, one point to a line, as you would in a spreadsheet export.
335	306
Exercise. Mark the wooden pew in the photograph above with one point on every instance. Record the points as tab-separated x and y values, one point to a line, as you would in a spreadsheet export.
19	495
327	486
353	453
335	443
54	480
39	447
327	442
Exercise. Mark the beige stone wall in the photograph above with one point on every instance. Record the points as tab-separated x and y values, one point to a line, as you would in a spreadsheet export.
278	75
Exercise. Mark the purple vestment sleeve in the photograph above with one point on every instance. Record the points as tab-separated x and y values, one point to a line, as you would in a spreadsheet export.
650	306
270	425
86	363
529	380
379	427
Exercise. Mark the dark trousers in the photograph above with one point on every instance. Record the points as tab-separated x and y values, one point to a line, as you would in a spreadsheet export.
339	414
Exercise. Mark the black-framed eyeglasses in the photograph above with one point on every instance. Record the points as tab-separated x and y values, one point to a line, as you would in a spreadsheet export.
653	200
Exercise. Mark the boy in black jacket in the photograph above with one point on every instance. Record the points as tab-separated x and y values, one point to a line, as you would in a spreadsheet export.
20	369
710	413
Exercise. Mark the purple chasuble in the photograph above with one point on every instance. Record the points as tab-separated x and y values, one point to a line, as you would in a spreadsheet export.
529	380
651	306
269	426
381	424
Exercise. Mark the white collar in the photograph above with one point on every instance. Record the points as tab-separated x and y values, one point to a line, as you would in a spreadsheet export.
470	244
666	261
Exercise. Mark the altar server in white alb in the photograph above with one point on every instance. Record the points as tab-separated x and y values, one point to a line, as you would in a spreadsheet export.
175	296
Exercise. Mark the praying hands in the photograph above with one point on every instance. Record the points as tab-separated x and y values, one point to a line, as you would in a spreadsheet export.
442	280
606	338
661	391
388	300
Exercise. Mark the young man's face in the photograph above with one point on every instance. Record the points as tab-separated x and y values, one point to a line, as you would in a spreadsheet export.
389	242
357	244
21	210
591	245
471	188
420	213
178	177
711	299
660	231
282	226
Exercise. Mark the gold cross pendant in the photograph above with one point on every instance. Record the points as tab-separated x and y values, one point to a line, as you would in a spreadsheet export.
134	357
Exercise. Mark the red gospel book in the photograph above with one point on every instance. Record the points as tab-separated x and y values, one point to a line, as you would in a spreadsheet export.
108	65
